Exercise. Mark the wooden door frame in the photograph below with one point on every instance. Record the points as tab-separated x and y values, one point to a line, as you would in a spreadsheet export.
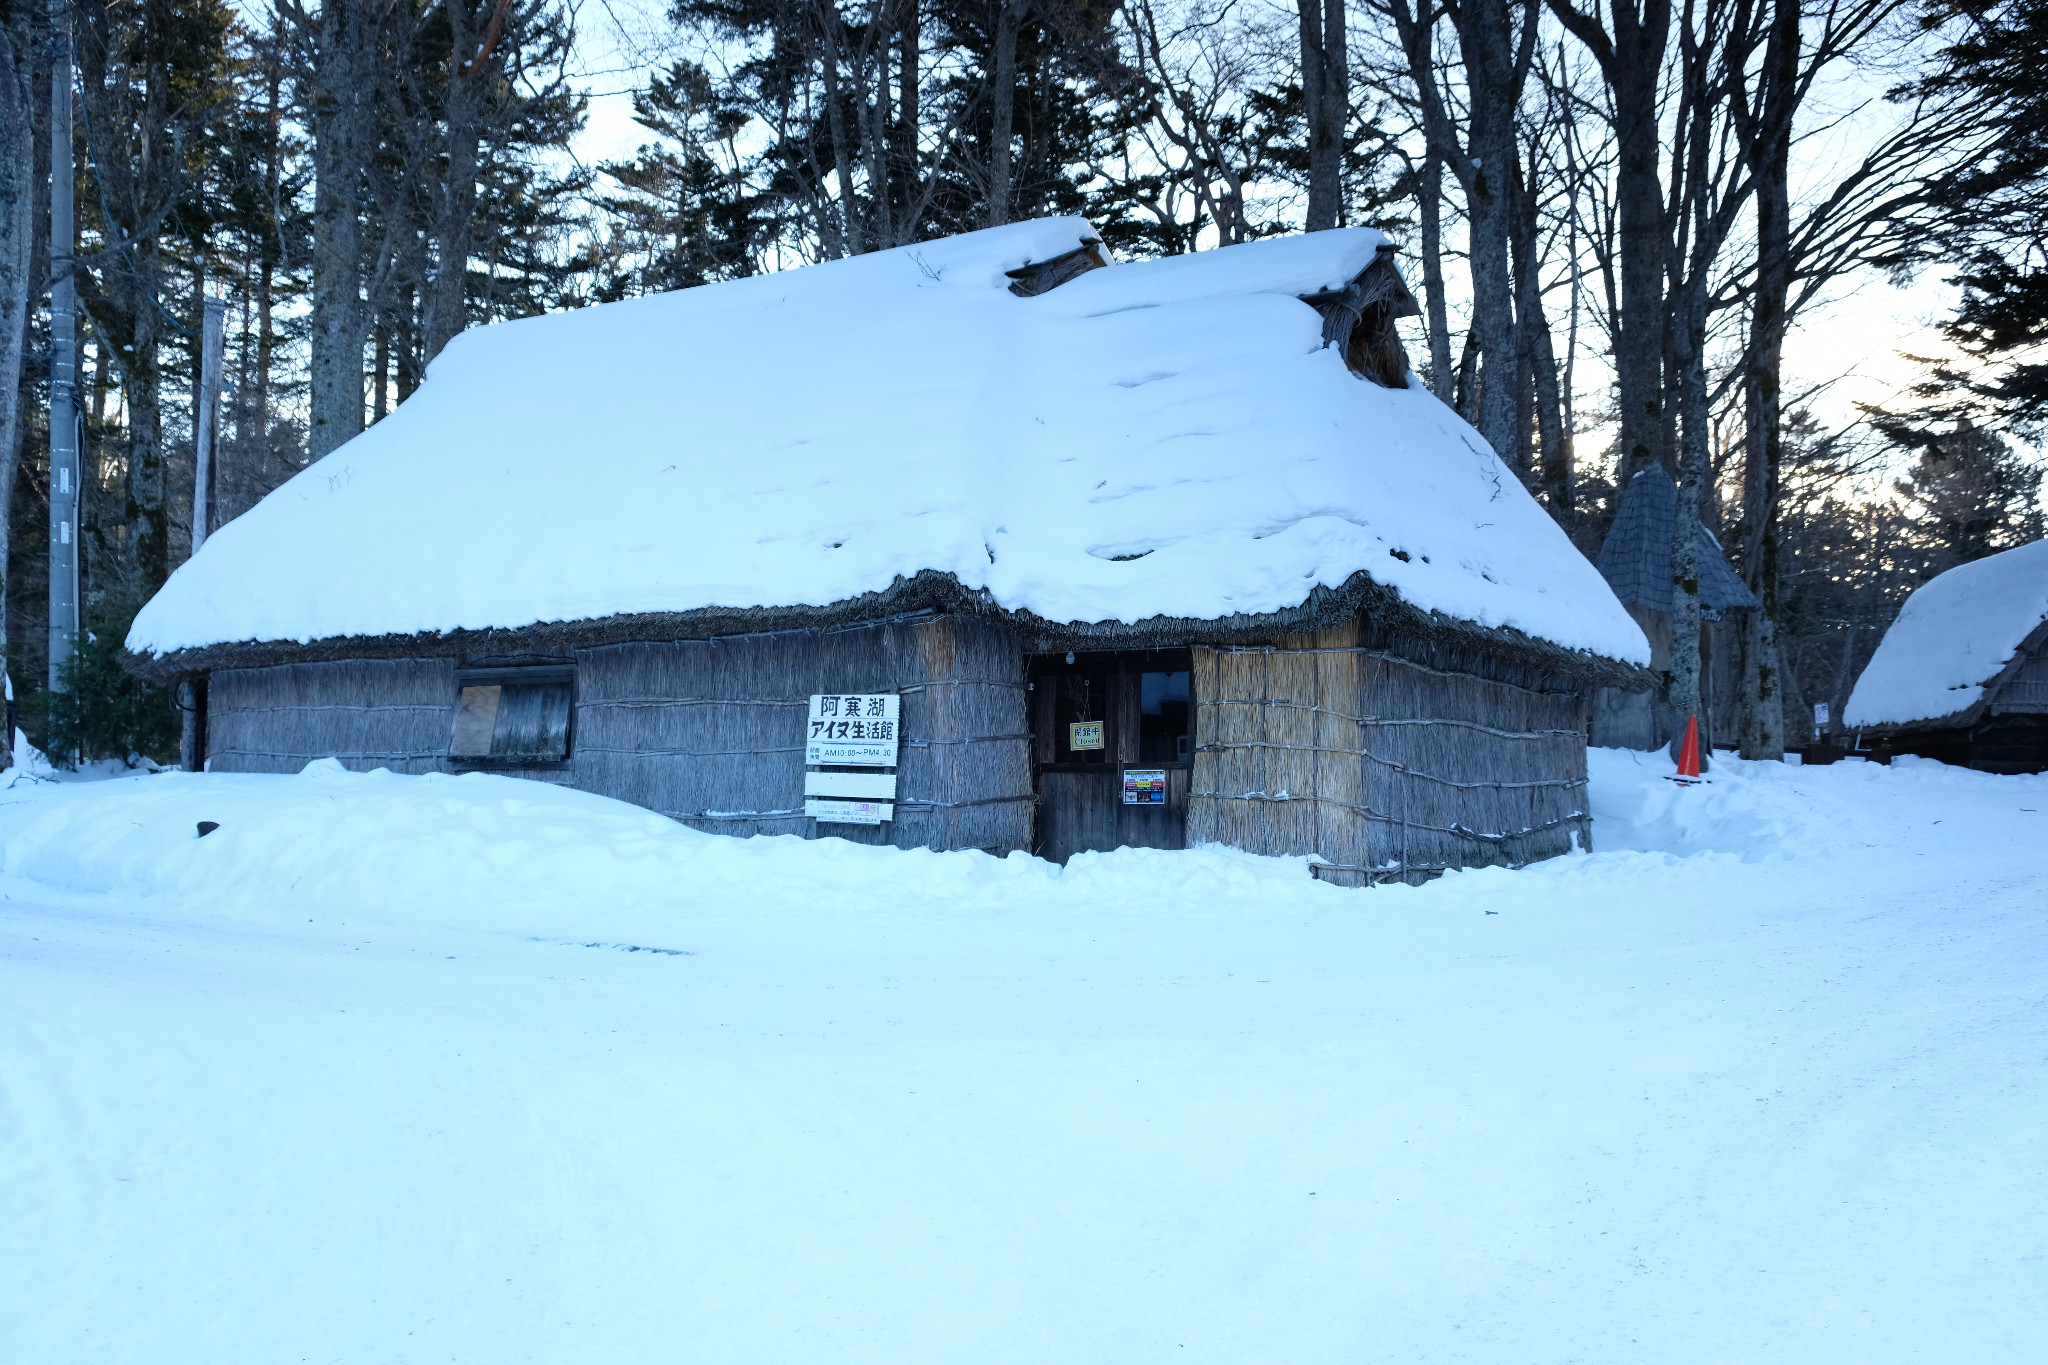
1122	722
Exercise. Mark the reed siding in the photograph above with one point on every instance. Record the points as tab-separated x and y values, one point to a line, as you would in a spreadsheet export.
1472	760
369	713
708	732
1386	757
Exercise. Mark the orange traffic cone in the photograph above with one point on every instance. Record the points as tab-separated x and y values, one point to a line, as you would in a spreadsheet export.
1689	752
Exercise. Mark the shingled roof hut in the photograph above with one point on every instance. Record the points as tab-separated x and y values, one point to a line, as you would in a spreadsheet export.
1962	674
1635	559
1147	554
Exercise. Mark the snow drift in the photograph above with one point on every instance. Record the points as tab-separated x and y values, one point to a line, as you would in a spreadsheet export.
406	1069
504	853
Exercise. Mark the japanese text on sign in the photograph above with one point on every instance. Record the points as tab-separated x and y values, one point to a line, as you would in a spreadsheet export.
854	729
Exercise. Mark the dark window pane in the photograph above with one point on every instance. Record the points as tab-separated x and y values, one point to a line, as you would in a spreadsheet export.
1163	718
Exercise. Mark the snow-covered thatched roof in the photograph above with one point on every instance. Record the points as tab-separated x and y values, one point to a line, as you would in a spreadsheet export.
1635	559
1955	639
1165	439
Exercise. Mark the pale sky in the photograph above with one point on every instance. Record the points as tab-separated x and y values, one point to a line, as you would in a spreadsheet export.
1855	344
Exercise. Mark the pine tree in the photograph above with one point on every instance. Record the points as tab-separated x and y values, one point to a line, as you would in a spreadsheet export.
1992	207
1971	495
687	214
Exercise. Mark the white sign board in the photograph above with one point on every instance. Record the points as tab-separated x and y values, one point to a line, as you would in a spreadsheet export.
1820	713
852	786
827	812
853	729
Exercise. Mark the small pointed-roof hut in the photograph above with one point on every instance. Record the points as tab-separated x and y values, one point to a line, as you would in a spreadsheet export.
1962	674
1635	560
1110	553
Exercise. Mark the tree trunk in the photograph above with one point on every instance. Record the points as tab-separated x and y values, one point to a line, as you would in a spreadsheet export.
1639	194
874	117
1441	379
1690	332
855	237
19	56
1326	107
1763	703
1002	110
447	297
406	371
1838	695
1631	59
380	375
1493	84
342	118
1465	395
911	39
907	86
1553	465
272	247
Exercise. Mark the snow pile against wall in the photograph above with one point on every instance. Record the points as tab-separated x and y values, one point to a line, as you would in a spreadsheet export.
1166	438
1954	635
486	851
481	851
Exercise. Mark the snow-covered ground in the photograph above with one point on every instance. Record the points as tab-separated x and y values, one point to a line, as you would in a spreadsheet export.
393	1069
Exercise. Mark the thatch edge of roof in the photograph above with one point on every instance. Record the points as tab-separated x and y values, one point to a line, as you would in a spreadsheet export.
2035	642
927	591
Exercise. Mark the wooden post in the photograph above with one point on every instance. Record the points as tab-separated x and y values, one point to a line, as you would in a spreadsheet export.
192	735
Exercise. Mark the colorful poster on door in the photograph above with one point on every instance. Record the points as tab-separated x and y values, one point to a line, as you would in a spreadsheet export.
1144	786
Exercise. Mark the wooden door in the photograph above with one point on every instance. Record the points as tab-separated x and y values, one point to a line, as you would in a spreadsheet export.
1098	719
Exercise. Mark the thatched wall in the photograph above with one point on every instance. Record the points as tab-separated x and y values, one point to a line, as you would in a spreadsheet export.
369	713
1390	757
708	732
1277	758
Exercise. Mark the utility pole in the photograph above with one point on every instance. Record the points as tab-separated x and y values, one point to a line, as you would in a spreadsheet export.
64	471
212	339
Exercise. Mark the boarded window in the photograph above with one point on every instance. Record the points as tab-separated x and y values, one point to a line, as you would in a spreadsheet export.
513	718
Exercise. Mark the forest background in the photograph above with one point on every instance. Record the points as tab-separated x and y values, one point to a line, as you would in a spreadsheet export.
1616	215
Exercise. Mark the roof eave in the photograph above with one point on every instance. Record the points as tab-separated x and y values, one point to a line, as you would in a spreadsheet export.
2037	640
926	591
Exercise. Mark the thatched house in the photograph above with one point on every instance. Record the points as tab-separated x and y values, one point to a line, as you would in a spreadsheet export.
1962	675
1147	554
1635	559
